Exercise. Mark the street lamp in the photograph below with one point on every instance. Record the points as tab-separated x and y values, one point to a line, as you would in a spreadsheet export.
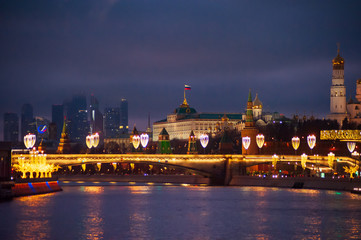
303	161
295	143
331	158
246	141
311	141
29	140
144	139
260	141
204	139
274	160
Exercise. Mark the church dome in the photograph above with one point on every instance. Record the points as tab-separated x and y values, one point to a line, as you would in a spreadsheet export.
338	62
256	102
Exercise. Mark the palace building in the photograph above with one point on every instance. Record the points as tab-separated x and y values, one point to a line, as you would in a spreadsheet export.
185	119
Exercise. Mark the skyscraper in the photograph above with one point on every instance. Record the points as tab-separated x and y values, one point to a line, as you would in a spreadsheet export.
27	120
124	116
77	117
11	127
96	117
57	117
112	122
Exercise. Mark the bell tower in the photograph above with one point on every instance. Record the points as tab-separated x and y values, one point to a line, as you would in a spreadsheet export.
338	110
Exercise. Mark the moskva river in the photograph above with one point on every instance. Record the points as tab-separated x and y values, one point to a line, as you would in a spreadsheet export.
182	212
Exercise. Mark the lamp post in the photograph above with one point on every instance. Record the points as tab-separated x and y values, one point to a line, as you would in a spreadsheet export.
351	147
260	141
303	161
204	139
330	158
295	143
246	141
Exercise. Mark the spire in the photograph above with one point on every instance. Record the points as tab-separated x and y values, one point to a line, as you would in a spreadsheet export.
338	48
249	112
249	96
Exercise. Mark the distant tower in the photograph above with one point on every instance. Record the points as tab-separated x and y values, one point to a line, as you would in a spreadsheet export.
11	127
192	147
27	120
124	116
250	130
164	143
64	144
358	90
338	109
257	108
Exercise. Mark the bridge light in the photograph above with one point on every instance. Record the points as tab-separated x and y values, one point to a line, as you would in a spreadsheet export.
331	158
303	161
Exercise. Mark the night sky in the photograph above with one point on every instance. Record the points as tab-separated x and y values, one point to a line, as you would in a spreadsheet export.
146	51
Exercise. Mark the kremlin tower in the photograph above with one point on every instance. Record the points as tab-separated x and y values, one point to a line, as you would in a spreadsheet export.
338	110
250	130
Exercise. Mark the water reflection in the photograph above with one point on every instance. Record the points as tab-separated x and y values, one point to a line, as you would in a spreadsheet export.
33	215
93	223
139	216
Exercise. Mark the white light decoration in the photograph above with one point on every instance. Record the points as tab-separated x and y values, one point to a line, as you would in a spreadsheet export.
246	141
144	139
95	139
260	140
295	143
136	141
351	146
89	141
92	140
204	139
311	141
29	140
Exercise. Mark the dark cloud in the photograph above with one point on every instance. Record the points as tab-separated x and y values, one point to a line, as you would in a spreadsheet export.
147	50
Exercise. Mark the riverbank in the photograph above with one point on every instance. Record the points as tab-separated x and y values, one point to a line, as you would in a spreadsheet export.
342	184
25	187
176	179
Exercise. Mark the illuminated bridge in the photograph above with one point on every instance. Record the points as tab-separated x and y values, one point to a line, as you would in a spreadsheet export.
219	167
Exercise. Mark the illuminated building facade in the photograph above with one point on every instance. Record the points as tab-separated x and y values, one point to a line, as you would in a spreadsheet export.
185	119
112	122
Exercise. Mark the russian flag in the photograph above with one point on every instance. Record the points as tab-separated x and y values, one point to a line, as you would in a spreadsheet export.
187	87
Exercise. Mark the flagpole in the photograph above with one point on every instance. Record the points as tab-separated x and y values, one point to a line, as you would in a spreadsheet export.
184	92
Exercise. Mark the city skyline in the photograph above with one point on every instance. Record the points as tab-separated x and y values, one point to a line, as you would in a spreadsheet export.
146	52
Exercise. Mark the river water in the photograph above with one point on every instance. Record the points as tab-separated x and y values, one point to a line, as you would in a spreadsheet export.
121	211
